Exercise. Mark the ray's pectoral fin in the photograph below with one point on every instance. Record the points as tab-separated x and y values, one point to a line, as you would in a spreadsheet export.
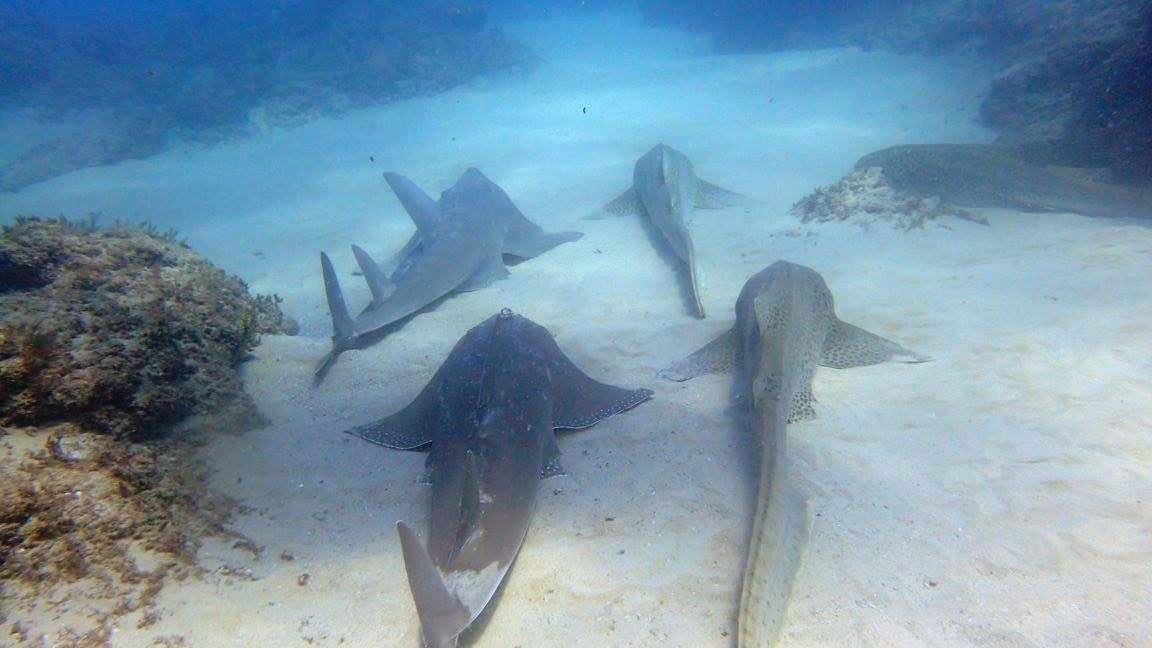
718	356
710	196
442	615
578	401
851	346
490	270
408	429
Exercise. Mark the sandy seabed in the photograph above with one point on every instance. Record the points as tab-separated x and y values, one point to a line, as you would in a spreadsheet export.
1000	495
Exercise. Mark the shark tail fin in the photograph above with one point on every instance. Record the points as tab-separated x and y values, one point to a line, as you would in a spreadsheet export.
342	328
442	616
380	286
341	320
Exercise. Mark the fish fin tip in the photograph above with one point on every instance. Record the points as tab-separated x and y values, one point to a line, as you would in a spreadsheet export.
442	615
718	356
381	287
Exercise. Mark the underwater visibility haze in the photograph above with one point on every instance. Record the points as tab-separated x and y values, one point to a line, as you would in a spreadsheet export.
575	322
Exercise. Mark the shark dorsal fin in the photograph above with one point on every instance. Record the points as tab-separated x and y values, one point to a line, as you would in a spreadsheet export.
442	615
424	211
341	320
380	286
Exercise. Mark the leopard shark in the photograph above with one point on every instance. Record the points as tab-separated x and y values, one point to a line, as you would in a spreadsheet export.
991	175
785	326
459	245
665	190
488	419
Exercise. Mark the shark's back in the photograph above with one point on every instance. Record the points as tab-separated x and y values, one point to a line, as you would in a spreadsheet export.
990	175
783	315
785	326
665	185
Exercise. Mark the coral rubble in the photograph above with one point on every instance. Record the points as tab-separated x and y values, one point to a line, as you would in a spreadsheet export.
865	196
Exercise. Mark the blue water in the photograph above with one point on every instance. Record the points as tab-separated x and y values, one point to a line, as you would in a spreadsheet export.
261	130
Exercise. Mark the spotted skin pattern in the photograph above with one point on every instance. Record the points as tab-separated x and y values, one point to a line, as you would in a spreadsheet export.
785	326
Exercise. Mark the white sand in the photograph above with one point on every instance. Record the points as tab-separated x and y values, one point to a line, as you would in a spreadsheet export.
999	495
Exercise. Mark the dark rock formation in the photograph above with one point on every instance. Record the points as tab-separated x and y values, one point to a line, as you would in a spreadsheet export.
1074	86
1081	94
121	331
204	70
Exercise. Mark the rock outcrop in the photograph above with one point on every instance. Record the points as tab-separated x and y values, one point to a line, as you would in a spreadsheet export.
1073	85
126	84
122	331
119	351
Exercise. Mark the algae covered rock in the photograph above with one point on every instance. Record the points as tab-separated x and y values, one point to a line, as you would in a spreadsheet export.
108	338
122	330
95	526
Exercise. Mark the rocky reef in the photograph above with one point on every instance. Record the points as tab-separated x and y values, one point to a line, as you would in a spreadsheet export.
119	351
1073	84
120	330
865	197
125	80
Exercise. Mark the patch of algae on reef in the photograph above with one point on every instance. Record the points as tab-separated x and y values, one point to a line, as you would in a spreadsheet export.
119	351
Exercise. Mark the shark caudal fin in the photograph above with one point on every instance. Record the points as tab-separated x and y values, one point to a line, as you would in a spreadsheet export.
442	616
341	319
380	286
343	331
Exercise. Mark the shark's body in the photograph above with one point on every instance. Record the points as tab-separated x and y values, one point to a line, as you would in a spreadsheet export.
785	326
488	416
665	190
459	245
988	175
